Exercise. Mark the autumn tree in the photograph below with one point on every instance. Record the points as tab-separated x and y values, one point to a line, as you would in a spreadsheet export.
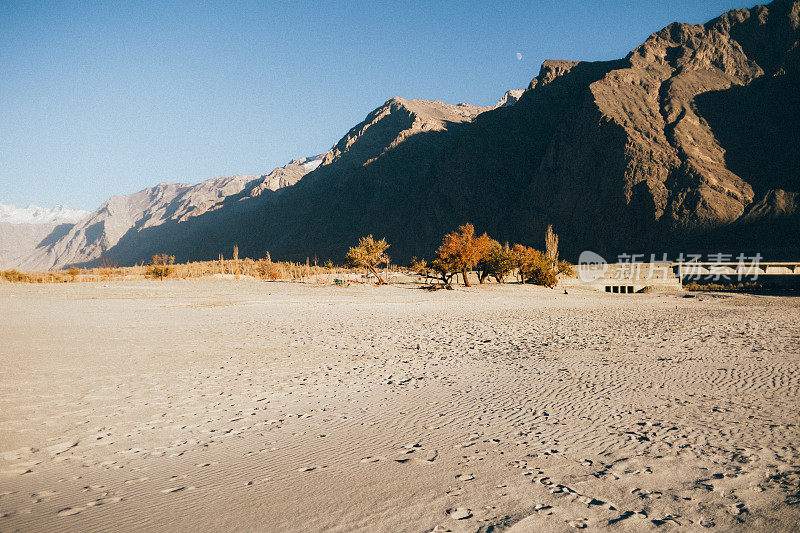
161	266
461	250
369	254
421	267
444	271
551	246
520	259
496	262
530	263
566	268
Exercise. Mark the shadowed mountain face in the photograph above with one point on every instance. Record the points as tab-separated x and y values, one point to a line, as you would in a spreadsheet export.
687	144
669	149
360	183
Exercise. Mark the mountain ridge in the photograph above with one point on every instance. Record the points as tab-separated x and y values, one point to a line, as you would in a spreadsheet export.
89	238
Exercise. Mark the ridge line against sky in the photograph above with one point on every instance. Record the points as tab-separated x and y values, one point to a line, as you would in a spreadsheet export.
110	98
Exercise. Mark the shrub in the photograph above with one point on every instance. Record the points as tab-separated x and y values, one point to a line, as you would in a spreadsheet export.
106	266
369	254
566	268
272	271
543	276
161	266
15	276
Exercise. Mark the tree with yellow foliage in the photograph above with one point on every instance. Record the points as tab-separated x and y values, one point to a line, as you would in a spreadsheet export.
369	254
461	250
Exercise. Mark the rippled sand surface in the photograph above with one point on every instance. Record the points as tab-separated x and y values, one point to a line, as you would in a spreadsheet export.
225	405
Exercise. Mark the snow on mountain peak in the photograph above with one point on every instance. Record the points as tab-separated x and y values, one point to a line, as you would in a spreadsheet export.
33	214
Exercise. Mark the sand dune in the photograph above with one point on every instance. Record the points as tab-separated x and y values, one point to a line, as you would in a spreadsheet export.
286	407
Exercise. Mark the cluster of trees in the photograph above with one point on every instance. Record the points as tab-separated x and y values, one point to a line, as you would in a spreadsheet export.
463	251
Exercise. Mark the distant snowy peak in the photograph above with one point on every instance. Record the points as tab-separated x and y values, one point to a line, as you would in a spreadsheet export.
33	214
313	163
510	98
308	163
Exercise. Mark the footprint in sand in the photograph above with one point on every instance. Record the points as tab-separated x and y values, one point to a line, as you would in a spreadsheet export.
460	513
61	447
41	496
69	511
370	459
103	501
465	477
173	490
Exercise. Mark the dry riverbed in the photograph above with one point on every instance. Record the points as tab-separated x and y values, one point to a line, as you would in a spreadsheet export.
224	405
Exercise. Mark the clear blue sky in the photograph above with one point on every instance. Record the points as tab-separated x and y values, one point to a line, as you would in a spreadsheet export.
102	98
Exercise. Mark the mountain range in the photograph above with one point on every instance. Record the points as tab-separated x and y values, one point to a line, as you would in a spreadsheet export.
689	143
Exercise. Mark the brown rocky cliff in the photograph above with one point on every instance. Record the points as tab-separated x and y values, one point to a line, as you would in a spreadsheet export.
621	156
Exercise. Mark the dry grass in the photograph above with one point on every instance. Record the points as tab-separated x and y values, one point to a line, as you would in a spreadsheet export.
263	269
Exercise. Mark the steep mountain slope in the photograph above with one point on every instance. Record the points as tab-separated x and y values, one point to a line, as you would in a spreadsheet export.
659	152
397	140
22	229
92	237
19	240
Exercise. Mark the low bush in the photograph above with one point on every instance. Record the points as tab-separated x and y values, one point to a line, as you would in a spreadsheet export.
15	276
161	266
542	276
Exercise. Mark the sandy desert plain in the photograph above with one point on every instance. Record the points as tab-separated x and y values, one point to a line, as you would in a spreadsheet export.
256	406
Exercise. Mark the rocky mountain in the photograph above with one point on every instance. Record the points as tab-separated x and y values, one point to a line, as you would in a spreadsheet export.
85	242
22	229
19	240
510	98
401	135
689	143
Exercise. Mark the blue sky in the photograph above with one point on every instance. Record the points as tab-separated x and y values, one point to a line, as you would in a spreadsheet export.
104	98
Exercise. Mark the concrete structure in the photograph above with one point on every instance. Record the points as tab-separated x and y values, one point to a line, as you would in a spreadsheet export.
627	278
